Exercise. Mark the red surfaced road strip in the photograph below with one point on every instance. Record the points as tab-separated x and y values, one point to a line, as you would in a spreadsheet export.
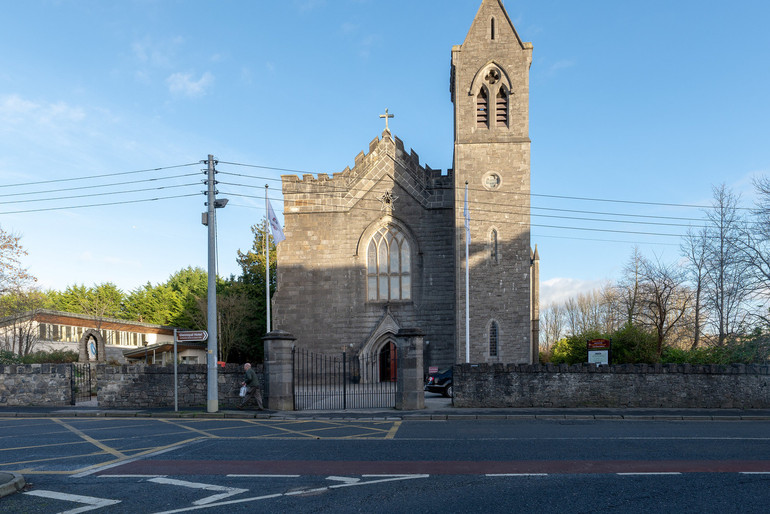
316	467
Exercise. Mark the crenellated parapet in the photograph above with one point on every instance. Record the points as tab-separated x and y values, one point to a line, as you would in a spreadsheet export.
387	160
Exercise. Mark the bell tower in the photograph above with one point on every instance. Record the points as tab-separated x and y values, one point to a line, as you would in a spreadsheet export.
490	93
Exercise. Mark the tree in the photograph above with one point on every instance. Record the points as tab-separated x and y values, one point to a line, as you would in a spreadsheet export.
154	304
103	301
18	298
663	298
757	245
585	312
13	276
252	277
628	287
190	284
727	271
253	261
18	307
695	250
551	326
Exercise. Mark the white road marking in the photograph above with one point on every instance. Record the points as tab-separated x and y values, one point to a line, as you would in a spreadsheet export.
517	474
264	476
132	476
99	469
649	473
226	492
347	480
91	502
387	478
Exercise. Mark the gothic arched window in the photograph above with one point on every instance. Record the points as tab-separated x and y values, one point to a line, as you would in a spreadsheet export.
482	108
501	107
388	266
493	338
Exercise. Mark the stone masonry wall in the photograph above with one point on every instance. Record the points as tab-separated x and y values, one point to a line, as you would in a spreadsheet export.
35	384
618	386
142	386
495	61
322	296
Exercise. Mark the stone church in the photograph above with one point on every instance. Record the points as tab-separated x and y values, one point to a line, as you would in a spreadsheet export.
382	246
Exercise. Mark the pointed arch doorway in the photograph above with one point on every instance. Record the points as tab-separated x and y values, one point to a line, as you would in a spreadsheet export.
388	361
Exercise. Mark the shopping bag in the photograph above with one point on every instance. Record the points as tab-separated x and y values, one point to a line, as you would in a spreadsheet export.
243	391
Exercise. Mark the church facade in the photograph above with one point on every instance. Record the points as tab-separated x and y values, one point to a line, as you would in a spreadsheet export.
382	246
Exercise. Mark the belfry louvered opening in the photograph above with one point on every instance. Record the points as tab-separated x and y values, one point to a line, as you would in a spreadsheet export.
501	107
482	108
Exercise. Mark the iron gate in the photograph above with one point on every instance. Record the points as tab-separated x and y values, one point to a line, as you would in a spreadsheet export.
338	382
80	381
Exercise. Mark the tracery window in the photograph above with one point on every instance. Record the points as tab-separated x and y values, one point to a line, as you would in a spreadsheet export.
388	266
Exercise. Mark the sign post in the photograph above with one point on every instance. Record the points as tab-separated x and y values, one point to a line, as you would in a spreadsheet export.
599	351
185	336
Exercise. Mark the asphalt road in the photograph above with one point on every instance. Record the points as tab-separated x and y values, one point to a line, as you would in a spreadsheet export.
243	465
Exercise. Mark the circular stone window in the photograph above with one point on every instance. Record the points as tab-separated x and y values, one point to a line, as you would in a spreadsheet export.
492	181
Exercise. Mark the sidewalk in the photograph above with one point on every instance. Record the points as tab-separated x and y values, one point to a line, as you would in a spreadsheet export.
436	409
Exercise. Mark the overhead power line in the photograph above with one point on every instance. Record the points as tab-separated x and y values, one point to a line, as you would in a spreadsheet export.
99	176
83	206
550	209
105	193
488	220
539	195
112	184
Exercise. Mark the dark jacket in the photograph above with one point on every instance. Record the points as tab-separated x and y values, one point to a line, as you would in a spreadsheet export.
251	378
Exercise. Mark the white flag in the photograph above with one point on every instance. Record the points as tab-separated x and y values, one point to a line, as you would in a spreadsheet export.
275	227
467	214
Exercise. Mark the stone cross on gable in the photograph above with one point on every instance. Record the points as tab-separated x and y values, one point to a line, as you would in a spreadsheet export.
386	116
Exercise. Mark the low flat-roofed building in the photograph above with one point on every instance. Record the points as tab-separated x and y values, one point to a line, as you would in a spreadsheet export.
94	338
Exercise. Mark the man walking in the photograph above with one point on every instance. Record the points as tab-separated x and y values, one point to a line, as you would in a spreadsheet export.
251	381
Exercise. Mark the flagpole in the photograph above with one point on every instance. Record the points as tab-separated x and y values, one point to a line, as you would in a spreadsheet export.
267	260
467	278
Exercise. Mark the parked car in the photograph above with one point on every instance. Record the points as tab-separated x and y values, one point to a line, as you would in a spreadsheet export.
440	382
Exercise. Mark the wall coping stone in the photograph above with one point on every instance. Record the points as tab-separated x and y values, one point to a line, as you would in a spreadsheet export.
708	369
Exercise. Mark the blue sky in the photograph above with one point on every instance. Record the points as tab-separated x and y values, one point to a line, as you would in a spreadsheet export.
632	101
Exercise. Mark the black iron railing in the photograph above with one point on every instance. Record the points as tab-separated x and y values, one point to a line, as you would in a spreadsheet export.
80	382
334	382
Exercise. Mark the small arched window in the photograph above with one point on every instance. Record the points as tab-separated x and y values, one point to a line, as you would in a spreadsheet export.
493	338
482	108
501	107
388	266
493	248
492	29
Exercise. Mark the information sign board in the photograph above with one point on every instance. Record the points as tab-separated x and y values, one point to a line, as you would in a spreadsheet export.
599	351
192	335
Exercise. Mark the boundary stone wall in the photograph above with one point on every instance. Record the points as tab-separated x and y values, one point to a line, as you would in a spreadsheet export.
738	386
144	386
35	384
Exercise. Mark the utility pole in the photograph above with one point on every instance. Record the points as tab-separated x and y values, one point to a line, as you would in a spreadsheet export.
210	220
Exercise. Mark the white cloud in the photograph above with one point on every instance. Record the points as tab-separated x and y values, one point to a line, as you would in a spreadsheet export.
559	290
185	84
156	54
309	5
556	67
15	109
